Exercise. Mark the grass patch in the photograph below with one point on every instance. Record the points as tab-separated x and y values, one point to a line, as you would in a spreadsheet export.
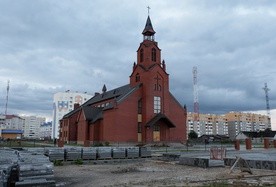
78	162
58	163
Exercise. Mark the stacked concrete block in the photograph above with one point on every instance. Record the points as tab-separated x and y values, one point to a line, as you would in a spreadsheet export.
35	170
132	152
55	153
104	153
119	153
72	154
145	152
6	171
36	182
253	163
89	153
191	161
8	167
37	150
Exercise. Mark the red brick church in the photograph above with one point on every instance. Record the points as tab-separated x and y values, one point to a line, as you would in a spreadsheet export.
141	112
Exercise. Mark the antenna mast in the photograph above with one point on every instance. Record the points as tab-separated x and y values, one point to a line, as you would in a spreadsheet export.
266	89
196	104
7	98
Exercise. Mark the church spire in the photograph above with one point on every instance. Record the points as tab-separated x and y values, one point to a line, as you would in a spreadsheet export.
104	89
148	31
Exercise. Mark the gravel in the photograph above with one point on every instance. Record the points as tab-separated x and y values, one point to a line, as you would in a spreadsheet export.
151	172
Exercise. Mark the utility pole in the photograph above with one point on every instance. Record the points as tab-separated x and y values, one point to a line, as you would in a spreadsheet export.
266	89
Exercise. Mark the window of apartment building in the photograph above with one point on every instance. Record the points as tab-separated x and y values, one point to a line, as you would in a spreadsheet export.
157	104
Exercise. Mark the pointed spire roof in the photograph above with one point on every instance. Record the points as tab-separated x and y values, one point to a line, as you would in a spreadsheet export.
104	89
148	30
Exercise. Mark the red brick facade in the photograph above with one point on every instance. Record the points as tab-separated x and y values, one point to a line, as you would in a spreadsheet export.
143	111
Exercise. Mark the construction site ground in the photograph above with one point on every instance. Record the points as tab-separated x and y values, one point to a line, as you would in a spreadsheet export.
155	172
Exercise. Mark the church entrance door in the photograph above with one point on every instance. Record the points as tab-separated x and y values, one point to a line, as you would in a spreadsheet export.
156	133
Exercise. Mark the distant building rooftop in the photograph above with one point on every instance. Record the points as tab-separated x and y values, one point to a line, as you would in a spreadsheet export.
11	131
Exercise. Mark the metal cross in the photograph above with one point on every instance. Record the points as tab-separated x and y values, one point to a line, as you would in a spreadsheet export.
148	9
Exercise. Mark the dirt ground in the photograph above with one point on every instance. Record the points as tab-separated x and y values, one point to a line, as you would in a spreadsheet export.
150	172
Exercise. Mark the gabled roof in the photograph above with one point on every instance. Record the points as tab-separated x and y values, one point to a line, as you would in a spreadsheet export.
92	113
249	134
115	93
72	112
160	117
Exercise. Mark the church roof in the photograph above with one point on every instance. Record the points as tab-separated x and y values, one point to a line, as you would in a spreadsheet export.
148	30
92	113
116	93
95	113
160	117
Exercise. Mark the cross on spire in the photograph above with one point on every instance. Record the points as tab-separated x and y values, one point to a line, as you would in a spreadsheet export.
148	9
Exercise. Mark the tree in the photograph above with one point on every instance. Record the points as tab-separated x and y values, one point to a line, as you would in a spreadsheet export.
192	135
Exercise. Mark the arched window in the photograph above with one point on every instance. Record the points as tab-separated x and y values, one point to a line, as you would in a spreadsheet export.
153	54
141	55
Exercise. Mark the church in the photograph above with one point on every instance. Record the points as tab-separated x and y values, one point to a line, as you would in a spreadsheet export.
141	112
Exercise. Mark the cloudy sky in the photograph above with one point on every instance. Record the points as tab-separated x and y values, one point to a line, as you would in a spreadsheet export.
52	46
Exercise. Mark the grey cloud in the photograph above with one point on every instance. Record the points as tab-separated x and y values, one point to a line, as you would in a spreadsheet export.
46	44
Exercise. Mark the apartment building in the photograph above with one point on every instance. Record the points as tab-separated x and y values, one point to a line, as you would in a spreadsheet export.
240	121
229	124
63	104
45	130
32	126
11	122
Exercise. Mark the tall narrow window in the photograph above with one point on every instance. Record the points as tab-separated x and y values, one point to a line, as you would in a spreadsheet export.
153	54
137	78
141	55
157	104
139	128
140	106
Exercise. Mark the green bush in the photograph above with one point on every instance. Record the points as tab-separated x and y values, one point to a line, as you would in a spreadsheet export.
58	163
98	144
78	162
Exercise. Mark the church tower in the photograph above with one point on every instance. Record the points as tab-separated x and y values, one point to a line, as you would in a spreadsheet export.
143	111
150	73
148	56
